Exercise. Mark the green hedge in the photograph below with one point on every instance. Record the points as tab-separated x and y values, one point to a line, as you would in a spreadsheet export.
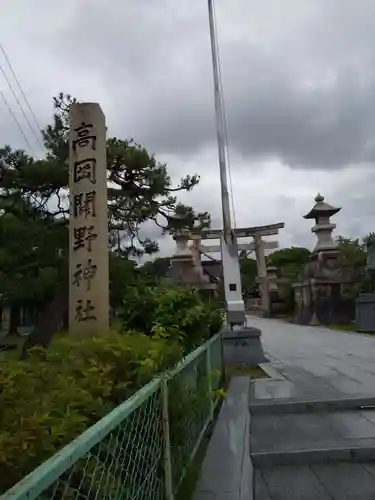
53	396
174	313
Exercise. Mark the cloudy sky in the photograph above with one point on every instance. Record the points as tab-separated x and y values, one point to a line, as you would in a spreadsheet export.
299	86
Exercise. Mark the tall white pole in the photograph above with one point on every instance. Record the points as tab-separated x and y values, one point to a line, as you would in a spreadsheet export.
229	251
220	127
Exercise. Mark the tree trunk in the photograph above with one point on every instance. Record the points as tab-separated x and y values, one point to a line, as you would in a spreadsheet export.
49	320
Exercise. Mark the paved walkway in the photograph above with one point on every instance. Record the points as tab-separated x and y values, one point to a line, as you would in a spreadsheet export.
318	361
318	411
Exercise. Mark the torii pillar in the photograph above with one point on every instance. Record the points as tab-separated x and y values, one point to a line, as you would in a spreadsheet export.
262	274
255	232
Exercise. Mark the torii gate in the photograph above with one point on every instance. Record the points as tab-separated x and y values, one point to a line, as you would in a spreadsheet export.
258	245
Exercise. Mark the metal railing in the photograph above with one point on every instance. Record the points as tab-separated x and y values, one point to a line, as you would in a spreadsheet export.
142	449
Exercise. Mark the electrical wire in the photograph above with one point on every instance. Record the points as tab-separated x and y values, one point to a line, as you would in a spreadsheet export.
21	108
20	87
224	118
17	122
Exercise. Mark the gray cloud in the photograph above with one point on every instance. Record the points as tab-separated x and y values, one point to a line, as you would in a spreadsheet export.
298	82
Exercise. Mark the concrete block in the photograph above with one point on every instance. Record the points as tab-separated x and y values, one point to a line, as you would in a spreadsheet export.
243	347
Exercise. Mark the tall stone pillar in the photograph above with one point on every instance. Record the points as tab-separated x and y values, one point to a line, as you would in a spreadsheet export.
88	222
196	251
272	278
262	273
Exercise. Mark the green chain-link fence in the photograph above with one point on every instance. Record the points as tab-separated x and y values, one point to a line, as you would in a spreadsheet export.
140	451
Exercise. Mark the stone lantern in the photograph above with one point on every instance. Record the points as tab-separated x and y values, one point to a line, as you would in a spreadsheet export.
181	238
272	278
321	213
185	267
320	296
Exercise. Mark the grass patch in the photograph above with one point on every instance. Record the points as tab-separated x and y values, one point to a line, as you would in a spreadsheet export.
343	328
255	372
348	328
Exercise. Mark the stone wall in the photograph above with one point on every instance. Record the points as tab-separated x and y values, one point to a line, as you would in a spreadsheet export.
322	303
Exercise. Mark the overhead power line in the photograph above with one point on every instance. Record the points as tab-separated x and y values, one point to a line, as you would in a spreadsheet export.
17	122
20	87
36	135
20	106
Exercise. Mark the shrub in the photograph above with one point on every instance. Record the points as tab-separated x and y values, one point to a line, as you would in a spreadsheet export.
53	396
178	313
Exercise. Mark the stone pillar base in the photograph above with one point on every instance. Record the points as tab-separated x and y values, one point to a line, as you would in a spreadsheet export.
236	318
243	348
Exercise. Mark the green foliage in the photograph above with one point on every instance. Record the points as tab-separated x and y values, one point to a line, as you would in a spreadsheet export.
289	261
123	273
214	317
249	272
352	261
185	217
352	253
53	396
34	209
26	239
155	270
288	295
177	313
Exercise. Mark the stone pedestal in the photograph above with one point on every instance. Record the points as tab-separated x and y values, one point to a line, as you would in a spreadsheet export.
322	302
243	348
195	249
185	268
272	279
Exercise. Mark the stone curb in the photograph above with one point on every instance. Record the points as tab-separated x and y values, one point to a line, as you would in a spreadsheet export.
227	472
270	371
276	407
314	456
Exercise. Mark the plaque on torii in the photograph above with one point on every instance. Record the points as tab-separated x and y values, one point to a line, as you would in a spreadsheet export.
267	230
242	247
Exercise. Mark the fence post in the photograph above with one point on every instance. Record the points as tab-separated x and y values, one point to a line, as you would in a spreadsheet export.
209	381
223	367
166	440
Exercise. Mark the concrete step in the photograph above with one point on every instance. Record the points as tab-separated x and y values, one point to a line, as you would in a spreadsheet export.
341	481
281	439
279	406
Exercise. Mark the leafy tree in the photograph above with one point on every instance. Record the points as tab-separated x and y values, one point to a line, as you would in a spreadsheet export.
352	253
352	262
123	273
34	207
155	270
249	272
176	313
289	261
185	217
33	252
